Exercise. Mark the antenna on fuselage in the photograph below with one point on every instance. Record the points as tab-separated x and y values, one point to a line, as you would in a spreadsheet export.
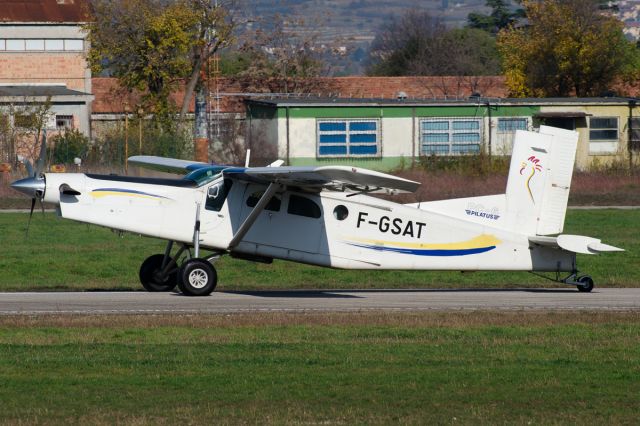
246	160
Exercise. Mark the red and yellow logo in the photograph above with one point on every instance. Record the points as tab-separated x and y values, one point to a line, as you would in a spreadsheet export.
533	163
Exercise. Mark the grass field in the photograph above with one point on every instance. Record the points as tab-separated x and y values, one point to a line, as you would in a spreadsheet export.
378	368
60	254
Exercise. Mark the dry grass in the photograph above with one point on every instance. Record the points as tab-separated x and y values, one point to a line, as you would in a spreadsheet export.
369	318
587	188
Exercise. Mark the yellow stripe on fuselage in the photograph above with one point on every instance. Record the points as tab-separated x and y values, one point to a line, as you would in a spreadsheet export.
102	194
480	241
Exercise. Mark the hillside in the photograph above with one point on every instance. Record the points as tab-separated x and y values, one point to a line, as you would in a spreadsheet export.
353	23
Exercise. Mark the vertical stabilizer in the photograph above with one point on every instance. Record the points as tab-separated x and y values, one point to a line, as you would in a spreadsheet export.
540	179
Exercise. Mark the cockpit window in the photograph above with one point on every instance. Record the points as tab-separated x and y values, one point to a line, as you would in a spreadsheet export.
217	194
205	175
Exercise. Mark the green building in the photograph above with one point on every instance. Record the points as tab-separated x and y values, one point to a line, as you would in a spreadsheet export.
383	134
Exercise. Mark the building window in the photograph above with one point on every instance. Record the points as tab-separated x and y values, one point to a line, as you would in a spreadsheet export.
506	133
348	138
54	45
603	135
34	44
510	125
15	45
64	121
450	136
73	45
23	121
41	45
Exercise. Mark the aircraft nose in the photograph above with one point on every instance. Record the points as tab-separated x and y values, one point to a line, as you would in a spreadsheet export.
32	187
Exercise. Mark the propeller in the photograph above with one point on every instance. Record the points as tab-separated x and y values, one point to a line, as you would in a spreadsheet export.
34	186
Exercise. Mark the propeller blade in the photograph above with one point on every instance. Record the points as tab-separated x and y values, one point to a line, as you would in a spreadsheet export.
28	166
43	154
33	204
41	206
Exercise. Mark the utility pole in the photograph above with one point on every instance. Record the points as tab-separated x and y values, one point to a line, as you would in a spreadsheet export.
126	137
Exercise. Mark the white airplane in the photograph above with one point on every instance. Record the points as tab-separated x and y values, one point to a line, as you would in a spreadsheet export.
324	216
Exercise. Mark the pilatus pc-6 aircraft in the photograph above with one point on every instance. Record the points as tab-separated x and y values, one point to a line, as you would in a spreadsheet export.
325	216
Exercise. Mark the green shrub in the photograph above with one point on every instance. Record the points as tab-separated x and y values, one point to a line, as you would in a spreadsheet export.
63	148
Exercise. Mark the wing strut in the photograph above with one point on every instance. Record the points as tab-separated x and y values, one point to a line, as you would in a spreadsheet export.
248	222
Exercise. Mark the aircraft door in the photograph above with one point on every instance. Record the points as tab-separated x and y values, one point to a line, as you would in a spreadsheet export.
294	225
214	212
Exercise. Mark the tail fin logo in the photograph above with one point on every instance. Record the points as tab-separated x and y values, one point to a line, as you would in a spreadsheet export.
533	163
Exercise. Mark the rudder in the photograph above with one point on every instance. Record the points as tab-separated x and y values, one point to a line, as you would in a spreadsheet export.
540	179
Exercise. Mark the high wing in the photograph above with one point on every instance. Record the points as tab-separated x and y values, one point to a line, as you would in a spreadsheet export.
333	178
168	165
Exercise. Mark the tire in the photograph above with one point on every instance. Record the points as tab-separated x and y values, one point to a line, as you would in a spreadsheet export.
150	278
197	277
586	284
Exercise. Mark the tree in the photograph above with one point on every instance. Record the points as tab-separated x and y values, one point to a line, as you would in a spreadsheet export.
569	48
154	45
282	55
501	16
419	44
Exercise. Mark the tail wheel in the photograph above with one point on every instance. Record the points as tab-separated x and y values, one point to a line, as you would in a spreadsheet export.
197	277
152	278
586	284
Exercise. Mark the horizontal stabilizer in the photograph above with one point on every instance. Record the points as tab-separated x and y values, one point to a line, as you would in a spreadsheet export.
574	243
603	247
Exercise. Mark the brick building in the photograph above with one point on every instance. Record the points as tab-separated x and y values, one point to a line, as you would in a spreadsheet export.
42	58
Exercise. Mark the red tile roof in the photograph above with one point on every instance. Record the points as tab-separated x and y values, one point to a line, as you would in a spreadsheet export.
110	98
44	11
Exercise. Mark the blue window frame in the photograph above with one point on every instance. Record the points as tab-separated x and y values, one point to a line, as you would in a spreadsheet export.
450	136
348	138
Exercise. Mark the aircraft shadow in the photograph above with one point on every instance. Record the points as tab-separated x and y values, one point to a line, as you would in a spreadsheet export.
298	294
349	294
460	290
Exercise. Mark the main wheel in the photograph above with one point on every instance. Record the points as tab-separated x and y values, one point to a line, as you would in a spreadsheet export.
151	277
586	284
197	277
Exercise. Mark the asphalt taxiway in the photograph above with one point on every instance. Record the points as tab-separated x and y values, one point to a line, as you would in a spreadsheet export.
610	299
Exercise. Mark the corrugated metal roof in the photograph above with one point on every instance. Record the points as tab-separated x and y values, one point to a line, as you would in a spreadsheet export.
44	11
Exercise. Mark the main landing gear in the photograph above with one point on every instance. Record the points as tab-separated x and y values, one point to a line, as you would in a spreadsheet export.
194	277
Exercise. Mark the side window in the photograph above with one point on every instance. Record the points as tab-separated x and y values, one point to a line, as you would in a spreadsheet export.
217	194
273	204
302	206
